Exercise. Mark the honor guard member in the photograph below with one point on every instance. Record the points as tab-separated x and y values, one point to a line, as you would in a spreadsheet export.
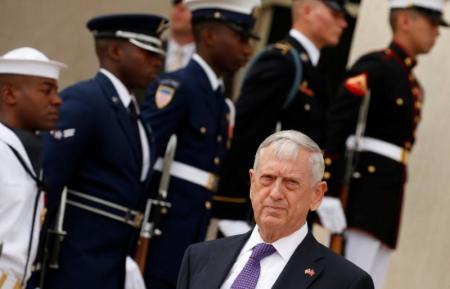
29	102
190	103
102	153
284	86
377	184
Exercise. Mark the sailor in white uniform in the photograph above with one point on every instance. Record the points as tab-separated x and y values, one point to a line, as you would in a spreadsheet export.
29	103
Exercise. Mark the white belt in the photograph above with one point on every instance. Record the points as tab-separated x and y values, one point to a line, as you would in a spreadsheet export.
9	282
191	174
121	213
380	147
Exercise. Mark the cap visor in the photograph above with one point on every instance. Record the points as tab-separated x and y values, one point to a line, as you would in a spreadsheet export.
243	31
336	7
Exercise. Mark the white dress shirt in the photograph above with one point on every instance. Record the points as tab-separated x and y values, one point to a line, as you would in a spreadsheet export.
271	266
177	56
311	49
126	98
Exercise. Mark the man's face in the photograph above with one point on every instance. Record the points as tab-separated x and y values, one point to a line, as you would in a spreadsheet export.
37	102
138	67
325	24
180	19
232	49
423	32
282	193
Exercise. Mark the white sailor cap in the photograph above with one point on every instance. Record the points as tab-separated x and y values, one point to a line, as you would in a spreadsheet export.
142	30
239	14
30	61
432	8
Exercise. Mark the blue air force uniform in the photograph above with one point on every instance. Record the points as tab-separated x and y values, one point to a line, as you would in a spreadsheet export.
190	104
100	152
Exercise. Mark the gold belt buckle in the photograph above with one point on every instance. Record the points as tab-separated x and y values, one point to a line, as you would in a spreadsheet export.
213	182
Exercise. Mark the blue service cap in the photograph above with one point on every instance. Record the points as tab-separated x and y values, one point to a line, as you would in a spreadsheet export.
142	30
238	14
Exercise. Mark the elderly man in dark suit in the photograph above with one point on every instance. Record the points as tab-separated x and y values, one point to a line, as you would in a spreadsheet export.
101	153
285	184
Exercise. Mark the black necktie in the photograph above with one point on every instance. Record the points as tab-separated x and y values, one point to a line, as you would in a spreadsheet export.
134	118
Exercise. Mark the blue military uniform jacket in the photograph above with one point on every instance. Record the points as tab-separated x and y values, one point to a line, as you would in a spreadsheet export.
184	103
377	185
94	151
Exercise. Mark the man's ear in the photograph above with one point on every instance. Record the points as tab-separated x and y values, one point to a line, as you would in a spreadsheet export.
7	94
318	193
115	51
251	174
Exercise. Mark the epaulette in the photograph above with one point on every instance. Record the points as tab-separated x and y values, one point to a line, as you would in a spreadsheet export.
283	46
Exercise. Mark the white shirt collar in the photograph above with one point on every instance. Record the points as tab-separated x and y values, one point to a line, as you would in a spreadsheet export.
285	246
311	49
213	79
172	46
122	91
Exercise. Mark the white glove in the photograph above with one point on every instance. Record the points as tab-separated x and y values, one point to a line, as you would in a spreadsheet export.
133	276
332	215
233	227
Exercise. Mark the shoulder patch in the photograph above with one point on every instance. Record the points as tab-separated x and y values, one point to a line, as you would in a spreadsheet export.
357	84
164	95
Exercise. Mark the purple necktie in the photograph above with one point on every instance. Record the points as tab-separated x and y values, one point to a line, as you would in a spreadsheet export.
249	275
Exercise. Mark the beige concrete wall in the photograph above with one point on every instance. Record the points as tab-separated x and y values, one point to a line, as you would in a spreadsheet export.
423	257
58	28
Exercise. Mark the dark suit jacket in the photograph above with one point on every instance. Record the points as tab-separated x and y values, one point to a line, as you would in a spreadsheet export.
206	265
101	159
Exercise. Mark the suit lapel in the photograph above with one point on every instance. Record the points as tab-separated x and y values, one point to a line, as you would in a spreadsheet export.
122	114
303	267
219	265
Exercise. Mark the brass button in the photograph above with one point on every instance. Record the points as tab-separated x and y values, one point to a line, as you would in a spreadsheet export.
328	161
326	175
219	138
217	15
203	130
208	205
400	101
217	161
307	107
163	211
371	169
408	61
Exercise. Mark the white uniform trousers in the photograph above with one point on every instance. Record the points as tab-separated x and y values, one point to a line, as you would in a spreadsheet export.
369	254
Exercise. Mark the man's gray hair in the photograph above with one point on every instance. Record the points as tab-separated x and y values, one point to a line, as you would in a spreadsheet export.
286	145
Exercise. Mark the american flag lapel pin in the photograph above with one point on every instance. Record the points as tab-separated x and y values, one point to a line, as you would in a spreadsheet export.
310	272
